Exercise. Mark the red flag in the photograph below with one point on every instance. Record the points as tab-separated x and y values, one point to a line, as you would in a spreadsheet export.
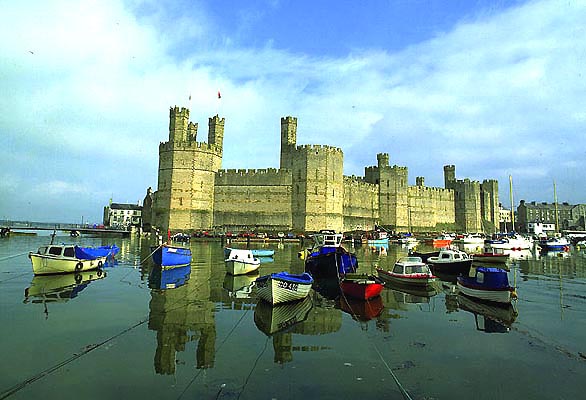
219	95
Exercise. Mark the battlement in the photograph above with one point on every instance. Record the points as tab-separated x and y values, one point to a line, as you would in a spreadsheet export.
359	183
191	146
178	112
256	177
319	148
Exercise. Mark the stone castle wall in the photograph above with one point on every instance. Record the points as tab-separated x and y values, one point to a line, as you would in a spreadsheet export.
307	193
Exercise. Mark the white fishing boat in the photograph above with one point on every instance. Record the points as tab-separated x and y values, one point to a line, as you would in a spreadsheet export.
63	258
489	284
408	271
282	287
241	262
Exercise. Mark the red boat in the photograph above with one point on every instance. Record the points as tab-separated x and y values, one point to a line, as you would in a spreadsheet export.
361	286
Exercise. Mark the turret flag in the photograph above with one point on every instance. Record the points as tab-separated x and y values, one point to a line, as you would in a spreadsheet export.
219	95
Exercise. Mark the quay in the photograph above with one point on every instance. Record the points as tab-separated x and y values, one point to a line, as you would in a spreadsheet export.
26	230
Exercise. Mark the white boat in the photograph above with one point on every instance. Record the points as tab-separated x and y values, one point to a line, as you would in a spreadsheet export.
474	238
509	242
63	258
282	287
408	271
241	262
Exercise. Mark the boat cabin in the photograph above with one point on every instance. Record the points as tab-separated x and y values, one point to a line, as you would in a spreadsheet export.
57	251
410	265
327	238
452	255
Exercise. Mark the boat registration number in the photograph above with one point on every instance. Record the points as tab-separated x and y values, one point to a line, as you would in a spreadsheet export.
288	285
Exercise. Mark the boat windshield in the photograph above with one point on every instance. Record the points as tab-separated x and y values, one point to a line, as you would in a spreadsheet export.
415	269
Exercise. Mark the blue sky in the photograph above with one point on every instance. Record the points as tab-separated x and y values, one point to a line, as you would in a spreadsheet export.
494	87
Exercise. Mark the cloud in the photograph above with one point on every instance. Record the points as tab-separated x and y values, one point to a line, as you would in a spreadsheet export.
88	96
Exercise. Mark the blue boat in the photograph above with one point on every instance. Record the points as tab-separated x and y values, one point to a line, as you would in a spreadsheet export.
169	278
488	284
102	251
255	252
328	258
168	256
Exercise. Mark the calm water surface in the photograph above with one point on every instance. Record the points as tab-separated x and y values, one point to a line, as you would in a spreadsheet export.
137	333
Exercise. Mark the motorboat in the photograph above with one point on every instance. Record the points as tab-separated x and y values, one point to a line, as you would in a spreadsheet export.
282	287
555	244
328	258
241	262
451	261
409	271
63	258
255	252
491	255
510	241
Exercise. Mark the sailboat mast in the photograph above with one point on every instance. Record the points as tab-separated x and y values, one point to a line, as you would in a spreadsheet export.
511	197
555	202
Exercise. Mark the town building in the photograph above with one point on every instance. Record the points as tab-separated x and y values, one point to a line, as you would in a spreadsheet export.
562	216
122	216
308	191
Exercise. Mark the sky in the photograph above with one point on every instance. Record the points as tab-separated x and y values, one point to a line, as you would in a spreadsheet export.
495	88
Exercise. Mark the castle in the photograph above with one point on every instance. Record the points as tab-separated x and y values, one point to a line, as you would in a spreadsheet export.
308	191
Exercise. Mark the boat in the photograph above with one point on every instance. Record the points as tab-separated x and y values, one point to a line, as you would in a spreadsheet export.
283	286
63	258
509	241
181	237
408	271
424	255
169	278
555	244
169	256
255	252
442	241
102	251
491	256
377	237
241	262
451	261
473	238
361	286
271	319
489	284
59	288
328	258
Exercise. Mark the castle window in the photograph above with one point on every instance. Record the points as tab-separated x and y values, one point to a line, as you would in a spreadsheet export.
180	201
388	183
333	193
316	190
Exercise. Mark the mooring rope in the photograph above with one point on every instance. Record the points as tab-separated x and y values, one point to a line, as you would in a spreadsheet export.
13	256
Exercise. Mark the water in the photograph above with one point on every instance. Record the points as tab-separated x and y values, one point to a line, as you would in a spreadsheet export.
134	333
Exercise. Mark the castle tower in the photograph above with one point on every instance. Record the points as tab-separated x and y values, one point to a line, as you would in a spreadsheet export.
317	188
288	140
449	175
490	203
178	120
216	131
185	191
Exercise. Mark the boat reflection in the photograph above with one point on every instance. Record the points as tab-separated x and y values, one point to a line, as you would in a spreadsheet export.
418	291
328	288
168	278
59	288
239	286
271	319
361	310
489	318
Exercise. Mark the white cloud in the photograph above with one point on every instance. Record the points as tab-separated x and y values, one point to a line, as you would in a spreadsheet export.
88	94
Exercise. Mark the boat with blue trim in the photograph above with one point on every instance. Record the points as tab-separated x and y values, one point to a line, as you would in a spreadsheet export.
282	287
328	258
489	284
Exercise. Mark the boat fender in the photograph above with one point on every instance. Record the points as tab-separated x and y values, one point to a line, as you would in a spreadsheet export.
78	266
100	264
514	294
78	278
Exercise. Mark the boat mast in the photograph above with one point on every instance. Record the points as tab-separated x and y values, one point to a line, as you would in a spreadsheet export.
555	202
511	197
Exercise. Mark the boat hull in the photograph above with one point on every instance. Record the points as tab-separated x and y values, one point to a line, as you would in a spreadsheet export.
418	280
47	264
282	288
171	256
452	267
501	296
363	287
331	264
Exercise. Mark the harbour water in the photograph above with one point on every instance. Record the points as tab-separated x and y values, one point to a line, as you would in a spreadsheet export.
135	332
